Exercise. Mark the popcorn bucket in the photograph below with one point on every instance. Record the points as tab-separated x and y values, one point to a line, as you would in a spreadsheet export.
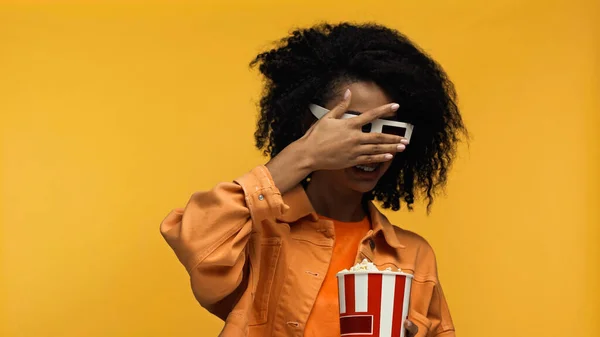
373	302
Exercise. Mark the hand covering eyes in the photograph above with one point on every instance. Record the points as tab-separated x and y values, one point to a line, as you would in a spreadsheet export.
380	125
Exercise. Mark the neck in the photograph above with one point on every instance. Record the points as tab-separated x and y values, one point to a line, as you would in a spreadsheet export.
335	202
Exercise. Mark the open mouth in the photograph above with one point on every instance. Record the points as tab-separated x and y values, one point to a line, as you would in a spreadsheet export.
367	171
367	168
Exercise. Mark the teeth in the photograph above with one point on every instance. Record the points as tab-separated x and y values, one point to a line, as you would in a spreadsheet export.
366	168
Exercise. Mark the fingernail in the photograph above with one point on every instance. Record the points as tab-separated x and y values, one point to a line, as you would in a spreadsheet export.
395	106
347	94
404	141
388	156
401	147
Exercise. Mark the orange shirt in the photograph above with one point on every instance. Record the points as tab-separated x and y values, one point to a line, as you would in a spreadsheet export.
324	319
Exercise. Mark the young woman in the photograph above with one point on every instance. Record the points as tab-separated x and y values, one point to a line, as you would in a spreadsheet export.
262	251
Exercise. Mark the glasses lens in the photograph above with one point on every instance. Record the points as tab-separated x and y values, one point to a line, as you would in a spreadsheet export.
366	128
393	130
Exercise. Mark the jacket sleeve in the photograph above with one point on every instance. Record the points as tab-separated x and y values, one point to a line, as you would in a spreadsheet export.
439	314
211	234
429	309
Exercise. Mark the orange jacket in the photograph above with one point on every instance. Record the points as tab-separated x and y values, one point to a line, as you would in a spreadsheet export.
257	259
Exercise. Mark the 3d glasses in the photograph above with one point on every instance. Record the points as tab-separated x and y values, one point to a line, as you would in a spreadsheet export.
380	125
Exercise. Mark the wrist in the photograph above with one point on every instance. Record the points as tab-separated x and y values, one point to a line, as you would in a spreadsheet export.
305	159
291	166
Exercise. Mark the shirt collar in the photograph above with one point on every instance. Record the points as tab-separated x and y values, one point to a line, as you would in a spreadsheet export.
299	207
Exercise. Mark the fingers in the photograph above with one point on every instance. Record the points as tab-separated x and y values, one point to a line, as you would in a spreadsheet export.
342	106
374	158
381	138
381	148
371	115
378	153
411	328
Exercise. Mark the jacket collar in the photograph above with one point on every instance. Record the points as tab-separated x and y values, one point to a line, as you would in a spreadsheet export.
380	223
299	207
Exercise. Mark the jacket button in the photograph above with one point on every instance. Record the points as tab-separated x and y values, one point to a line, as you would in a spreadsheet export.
372	244
261	197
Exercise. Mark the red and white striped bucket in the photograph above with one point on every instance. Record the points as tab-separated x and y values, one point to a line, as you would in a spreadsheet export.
373	303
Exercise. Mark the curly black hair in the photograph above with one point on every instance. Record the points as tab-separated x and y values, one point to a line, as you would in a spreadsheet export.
308	66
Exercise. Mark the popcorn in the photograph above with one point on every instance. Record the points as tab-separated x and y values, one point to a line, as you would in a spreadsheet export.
371	299
366	266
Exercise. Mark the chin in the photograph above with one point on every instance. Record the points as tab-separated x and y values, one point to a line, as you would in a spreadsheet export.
362	188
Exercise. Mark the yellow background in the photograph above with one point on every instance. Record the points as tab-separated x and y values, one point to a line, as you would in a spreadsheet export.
113	114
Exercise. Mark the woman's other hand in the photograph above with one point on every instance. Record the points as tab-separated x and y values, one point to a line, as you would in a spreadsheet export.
411	328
